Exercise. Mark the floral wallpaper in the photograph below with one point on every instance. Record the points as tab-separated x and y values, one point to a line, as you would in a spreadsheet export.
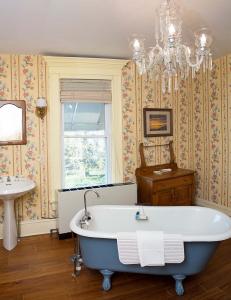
201	117
22	77
202	127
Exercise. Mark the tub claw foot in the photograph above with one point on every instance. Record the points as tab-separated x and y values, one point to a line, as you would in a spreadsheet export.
106	279
179	284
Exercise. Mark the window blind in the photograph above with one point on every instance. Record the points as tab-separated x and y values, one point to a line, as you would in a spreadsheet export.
85	90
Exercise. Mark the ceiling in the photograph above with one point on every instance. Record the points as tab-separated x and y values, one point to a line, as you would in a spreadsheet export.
100	28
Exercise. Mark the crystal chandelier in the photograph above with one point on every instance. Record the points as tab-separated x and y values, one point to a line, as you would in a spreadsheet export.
171	59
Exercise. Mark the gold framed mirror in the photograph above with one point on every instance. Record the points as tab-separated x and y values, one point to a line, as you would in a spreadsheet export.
12	122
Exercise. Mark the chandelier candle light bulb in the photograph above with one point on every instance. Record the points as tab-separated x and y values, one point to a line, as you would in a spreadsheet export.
136	45
171	30
170	58
203	40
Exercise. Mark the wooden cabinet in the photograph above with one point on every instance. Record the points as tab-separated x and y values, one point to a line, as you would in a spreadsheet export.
173	188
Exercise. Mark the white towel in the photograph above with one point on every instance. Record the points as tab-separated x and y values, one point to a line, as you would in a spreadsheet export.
128	249
150	248
173	248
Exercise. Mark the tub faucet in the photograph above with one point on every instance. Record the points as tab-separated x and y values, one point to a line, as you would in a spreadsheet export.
87	216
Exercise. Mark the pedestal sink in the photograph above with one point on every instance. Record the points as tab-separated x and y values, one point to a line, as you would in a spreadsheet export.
12	187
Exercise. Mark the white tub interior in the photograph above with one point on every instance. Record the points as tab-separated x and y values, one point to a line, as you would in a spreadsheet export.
194	223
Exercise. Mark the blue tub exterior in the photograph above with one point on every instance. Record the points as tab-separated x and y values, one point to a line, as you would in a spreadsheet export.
102	255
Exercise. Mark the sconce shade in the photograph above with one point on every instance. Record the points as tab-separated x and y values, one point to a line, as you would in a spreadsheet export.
41	102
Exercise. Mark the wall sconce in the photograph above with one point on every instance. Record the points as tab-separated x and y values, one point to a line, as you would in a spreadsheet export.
41	107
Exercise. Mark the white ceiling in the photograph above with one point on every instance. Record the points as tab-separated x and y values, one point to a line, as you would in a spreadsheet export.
100	28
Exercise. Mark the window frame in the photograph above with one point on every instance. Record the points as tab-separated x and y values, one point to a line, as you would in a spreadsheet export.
81	68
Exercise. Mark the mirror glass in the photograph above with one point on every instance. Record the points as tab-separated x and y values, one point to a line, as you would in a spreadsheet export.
12	122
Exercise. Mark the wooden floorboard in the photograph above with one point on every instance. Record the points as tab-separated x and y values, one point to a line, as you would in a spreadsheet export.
39	268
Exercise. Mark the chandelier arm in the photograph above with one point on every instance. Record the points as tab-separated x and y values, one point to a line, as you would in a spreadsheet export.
192	65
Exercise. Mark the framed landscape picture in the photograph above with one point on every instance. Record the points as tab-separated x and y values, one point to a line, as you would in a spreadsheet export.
157	122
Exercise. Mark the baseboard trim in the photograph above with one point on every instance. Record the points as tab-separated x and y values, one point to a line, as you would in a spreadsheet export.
34	227
224	209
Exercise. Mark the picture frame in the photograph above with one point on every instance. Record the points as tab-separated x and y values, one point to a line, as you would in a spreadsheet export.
157	122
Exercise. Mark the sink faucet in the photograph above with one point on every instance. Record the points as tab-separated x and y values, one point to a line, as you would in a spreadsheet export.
8	179
87	216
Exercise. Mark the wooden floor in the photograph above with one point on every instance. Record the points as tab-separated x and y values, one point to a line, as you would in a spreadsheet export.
39	268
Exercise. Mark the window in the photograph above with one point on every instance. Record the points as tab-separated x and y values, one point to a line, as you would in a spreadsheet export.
59	69
86	143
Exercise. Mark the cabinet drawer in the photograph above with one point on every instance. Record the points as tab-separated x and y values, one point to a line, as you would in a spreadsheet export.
172	183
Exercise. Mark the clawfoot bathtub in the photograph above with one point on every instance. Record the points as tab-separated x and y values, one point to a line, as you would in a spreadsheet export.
202	230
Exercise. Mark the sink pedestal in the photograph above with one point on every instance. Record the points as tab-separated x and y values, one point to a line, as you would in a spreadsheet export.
9	225
11	188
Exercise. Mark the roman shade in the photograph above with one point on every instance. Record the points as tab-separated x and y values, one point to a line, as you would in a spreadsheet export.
85	90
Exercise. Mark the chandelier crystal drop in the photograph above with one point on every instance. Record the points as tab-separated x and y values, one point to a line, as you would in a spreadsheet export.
170	59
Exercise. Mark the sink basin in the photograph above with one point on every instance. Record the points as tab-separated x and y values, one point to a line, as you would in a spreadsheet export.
12	187
16	187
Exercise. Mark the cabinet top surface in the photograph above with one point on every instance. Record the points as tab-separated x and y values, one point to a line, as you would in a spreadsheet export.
148	174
